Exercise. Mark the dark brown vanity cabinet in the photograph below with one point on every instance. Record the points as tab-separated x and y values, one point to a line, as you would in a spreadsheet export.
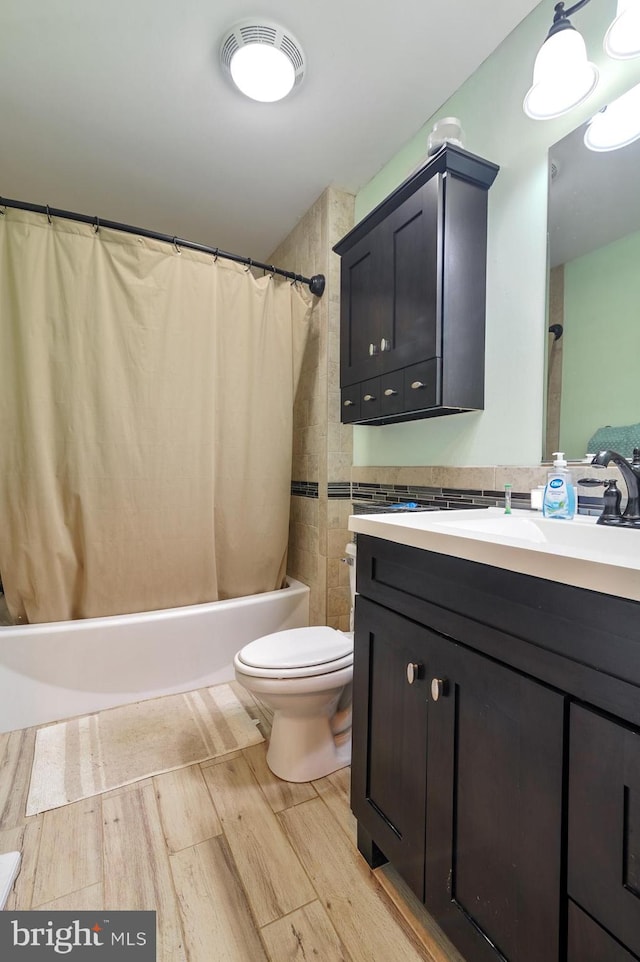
413	296
487	766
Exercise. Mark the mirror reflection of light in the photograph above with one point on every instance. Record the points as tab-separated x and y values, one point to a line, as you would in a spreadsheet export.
262	72
616	125
622	39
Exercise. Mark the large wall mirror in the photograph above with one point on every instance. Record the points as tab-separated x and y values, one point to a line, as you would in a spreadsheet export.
593	348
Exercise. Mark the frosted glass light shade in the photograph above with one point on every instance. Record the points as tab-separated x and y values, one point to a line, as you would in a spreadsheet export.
622	39
262	72
617	125
562	76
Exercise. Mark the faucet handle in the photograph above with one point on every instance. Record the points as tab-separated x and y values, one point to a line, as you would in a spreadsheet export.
591	482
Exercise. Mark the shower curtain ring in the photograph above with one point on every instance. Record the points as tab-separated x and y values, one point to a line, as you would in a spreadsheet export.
175	244
49	214
249	265
215	255
96	224
272	270
3	207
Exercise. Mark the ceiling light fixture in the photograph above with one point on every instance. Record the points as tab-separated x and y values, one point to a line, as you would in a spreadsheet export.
617	124
263	60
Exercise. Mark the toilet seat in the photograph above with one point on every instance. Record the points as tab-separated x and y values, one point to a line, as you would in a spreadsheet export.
296	653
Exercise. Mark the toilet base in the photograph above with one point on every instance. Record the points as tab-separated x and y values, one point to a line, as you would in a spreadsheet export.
302	749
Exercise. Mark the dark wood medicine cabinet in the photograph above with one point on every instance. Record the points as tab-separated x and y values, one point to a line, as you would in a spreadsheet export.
412	297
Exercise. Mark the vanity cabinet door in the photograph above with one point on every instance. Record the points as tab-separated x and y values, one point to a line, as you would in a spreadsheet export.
494	808
604	823
587	942
391	664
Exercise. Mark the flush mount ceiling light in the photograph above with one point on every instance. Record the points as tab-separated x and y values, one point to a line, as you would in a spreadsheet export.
616	125
622	39
562	75
263	60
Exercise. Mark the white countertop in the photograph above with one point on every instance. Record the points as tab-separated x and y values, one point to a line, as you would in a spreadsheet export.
577	552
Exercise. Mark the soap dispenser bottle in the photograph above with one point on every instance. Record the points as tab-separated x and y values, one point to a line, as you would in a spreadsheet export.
559	500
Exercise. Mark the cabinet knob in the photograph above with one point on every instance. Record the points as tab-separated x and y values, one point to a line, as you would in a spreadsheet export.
439	688
389	392
417	385
369	397
385	345
348	403
414	671
373	350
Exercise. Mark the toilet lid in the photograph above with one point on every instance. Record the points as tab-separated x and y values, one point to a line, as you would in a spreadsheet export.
297	648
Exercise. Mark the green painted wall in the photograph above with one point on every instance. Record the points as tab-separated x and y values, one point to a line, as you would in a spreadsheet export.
489	104
601	343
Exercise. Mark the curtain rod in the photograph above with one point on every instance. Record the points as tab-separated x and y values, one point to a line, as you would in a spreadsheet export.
316	283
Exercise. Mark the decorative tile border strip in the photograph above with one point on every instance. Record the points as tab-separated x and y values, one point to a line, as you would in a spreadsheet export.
339	489
381	495
304	489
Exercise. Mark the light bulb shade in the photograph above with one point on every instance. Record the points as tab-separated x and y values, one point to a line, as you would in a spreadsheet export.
264	61
616	125
622	39
562	76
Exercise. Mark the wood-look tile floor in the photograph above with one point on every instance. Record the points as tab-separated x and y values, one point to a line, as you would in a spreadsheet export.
239	866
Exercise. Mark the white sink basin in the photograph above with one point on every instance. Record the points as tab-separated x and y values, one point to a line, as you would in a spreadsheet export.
578	552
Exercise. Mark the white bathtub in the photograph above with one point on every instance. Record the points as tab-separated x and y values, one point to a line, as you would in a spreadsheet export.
54	671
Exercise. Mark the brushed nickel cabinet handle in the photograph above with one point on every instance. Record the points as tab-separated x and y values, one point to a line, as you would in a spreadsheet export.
385	345
439	688
414	671
416	385
389	392
373	350
369	397
348	403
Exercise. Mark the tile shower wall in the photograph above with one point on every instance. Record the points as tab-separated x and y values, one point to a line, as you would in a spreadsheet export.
322	447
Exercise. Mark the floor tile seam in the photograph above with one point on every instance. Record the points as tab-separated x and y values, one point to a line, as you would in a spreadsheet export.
285	808
285	838
342	827
176	899
346	954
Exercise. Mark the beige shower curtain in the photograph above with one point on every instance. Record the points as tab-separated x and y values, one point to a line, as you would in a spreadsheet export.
146	401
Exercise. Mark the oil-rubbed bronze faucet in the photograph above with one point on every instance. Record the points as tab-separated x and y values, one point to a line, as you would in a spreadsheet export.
630	517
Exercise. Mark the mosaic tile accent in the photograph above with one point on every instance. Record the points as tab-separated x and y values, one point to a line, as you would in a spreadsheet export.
339	489
304	489
382	495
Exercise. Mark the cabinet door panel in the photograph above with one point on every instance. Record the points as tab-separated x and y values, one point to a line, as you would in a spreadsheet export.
494	807
410	273
587	942
360	311
604	823
390	736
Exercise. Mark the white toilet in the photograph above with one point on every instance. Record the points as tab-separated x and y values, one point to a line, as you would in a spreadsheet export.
304	675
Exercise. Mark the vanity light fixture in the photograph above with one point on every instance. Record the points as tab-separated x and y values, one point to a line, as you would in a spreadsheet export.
262	59
617	124
562	75
622	39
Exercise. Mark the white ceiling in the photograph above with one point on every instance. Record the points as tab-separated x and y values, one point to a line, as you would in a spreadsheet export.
119	107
